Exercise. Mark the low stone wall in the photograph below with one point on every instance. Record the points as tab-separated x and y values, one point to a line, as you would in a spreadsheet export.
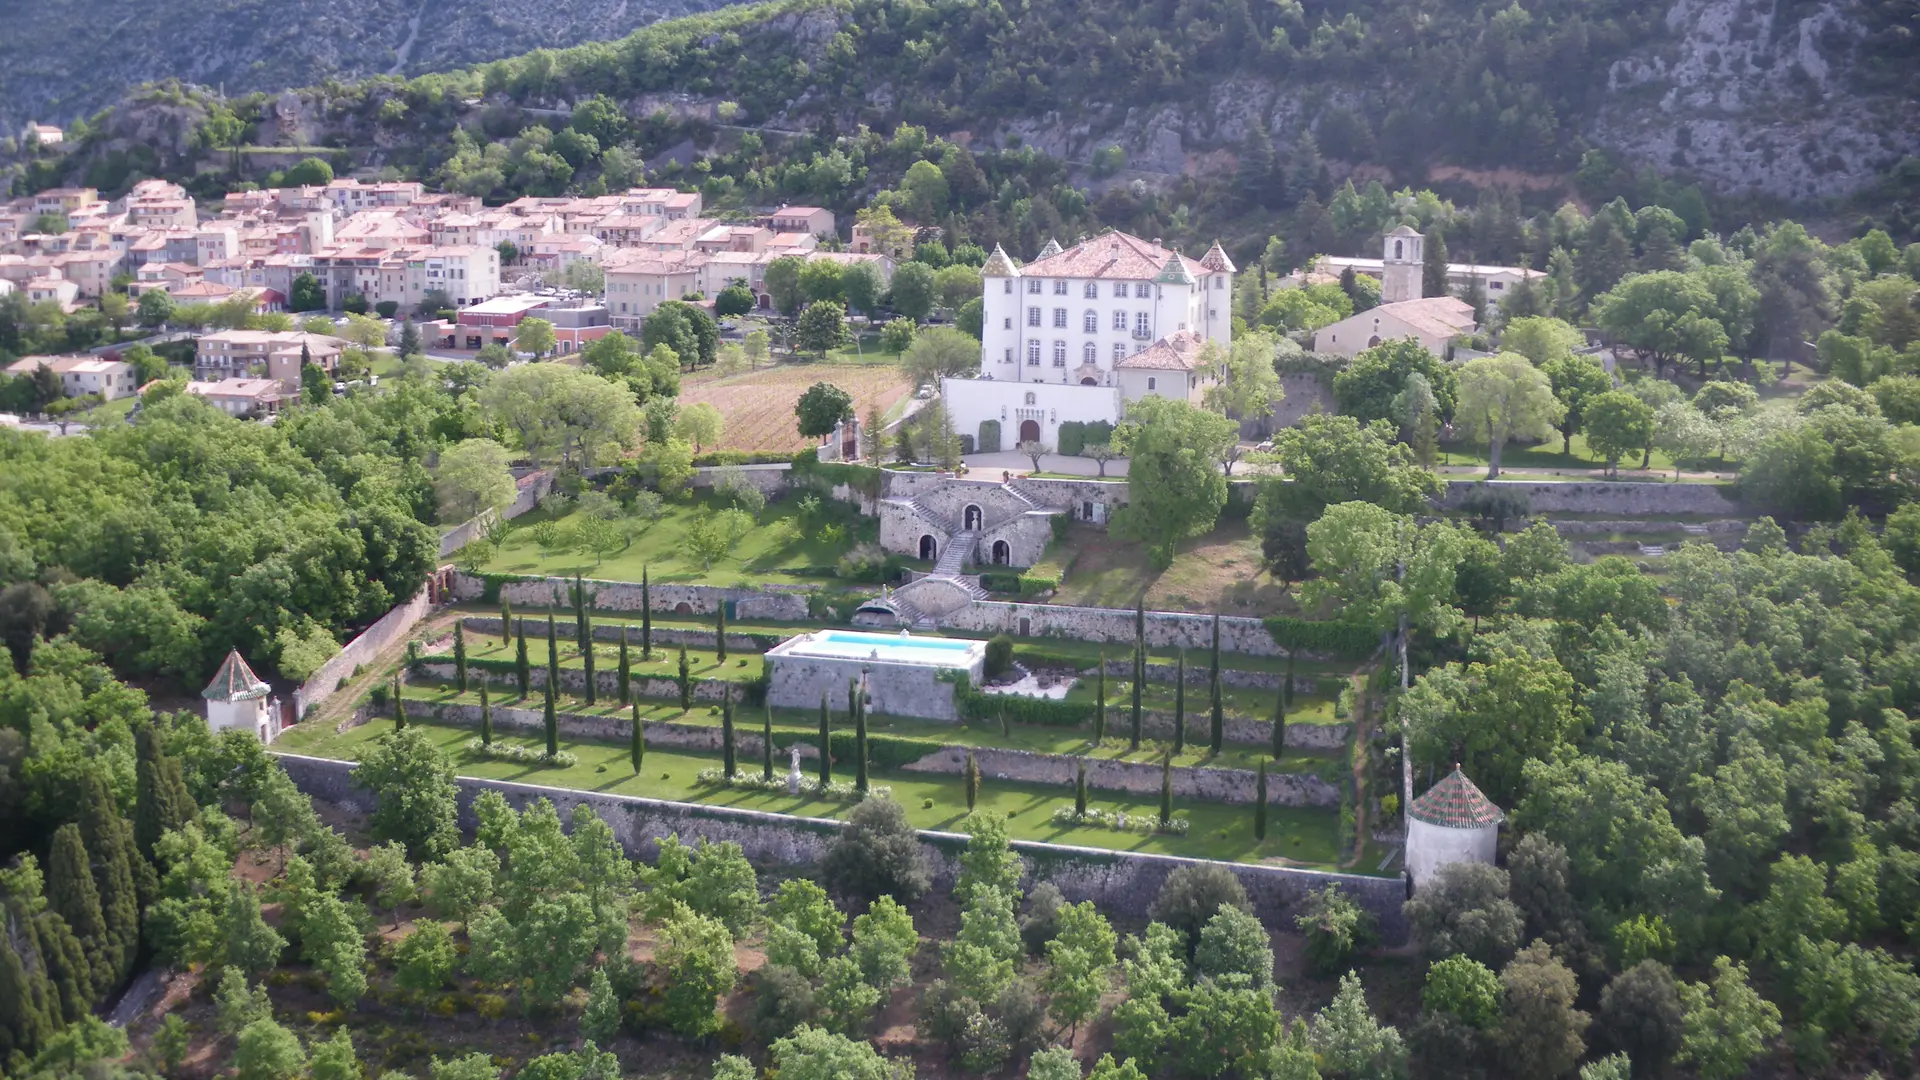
1246	636
530	489
771	603
771	479
488	626
1132	777
662	735
1322	686
1238	730
368	644
1118	882
1606	497
606	682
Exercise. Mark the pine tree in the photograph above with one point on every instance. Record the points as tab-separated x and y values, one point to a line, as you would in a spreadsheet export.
161	799
486	716
459	656
640	740
69	976
766	743
626	669
1100	702
826	743
73	896
109	843
861	779
972	781
1217	733
1260	805
1166	790
728	757
1080	789
646	618
522	671
686	680
550	720
399	707
1280	725
1180	703
249	943
553	661
720	632
506	623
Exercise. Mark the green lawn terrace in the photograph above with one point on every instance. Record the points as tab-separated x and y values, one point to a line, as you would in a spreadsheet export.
1301	837
780	549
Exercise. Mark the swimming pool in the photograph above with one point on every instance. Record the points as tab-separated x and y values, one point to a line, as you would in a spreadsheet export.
886	648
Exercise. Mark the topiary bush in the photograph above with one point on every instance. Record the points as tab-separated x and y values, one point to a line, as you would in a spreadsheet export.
999	654
989	441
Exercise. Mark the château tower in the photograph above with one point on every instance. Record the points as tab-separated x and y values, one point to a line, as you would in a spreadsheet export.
1404	260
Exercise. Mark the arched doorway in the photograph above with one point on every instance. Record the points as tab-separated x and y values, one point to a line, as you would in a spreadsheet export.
928	549
683	608
1029	431
1372	341
971	517
1088	381
1002	554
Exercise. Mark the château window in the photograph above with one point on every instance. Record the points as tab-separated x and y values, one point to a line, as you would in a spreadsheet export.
1059	318
1120	290
1142	290
1033	287
1142	324
1092	290
1033	316
1089	353
1151	382
1060	287
1006	323
1033	354
1009	357
1007	286
1031	397
1060	354
1090	321
1119	320
1119	352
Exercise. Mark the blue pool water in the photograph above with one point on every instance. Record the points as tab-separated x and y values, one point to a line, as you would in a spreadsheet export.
853	645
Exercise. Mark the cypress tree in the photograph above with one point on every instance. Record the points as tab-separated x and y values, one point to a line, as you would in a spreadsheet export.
1218	732
1080	789
486	717
109	843
686	680
1166	791
553	660
161	799
579	613
399	707
73	896
860	782
1139	677
1100	704
459	656
720	632
826	743
1286	688
1280	725
728	758
646	618
68	975
972	782
1260	805
766	743
586	660
626	669
22	1025
506	623
640	740
551	721
1180	704
522	673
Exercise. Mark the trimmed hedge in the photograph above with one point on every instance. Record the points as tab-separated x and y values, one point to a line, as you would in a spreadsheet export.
989	441
1041	712
1343	640
883	751
864	479
742	457
1001	581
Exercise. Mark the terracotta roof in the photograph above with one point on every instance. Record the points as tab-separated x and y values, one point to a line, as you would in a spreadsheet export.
1441	316
999	264
1052	249
1216	260
1181	352
1113	255
1404	230
235	681
1454	803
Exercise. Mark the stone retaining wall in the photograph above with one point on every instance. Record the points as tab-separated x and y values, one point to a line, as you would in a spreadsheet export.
771	603
1606	497
1132	777
1248	637
1320	686
1241	731
1118	882
606	682
488	626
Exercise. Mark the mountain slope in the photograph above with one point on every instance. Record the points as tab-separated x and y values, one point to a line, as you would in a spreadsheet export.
62	61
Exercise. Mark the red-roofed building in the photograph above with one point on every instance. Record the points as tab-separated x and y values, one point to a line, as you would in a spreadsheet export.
1452	821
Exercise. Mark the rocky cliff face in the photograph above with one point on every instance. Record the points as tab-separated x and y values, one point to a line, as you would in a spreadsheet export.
59	61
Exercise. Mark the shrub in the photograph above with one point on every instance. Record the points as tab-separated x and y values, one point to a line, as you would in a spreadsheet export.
866	562
1336	928
999	655
1072	438
877	854
989	440
1344	640
1191	896
523	755
998	581
1119	821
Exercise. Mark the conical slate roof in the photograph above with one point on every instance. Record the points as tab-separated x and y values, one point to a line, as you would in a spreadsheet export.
1052	249
1454	803
1175	272
1216	260
999	264
235	681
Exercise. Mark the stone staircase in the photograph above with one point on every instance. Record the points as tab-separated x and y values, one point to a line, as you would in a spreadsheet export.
955	555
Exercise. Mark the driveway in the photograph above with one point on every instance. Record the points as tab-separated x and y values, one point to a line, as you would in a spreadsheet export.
1009	461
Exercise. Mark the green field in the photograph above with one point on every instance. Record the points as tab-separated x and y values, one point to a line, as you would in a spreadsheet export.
1301	837
780	549
1546	457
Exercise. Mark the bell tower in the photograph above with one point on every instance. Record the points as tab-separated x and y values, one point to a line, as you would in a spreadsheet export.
1403	266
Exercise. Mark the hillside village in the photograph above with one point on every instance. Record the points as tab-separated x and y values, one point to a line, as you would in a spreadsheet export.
615	622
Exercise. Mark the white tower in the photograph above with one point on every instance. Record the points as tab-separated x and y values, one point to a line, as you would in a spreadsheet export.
1452	822
237	698
1002	325
1216	320
1405	266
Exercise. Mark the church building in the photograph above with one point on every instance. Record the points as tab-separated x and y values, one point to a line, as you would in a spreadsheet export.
1079	332
1404	311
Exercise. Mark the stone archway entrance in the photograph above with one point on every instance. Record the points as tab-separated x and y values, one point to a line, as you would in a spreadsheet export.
1029	431
683	608
1002	554
928	547
1089	381
970	518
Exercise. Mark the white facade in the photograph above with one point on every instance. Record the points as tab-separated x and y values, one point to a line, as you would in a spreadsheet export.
1024	411
1403	266
1431	847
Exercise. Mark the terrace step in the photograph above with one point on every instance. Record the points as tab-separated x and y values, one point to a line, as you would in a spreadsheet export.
955	556
1029	500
